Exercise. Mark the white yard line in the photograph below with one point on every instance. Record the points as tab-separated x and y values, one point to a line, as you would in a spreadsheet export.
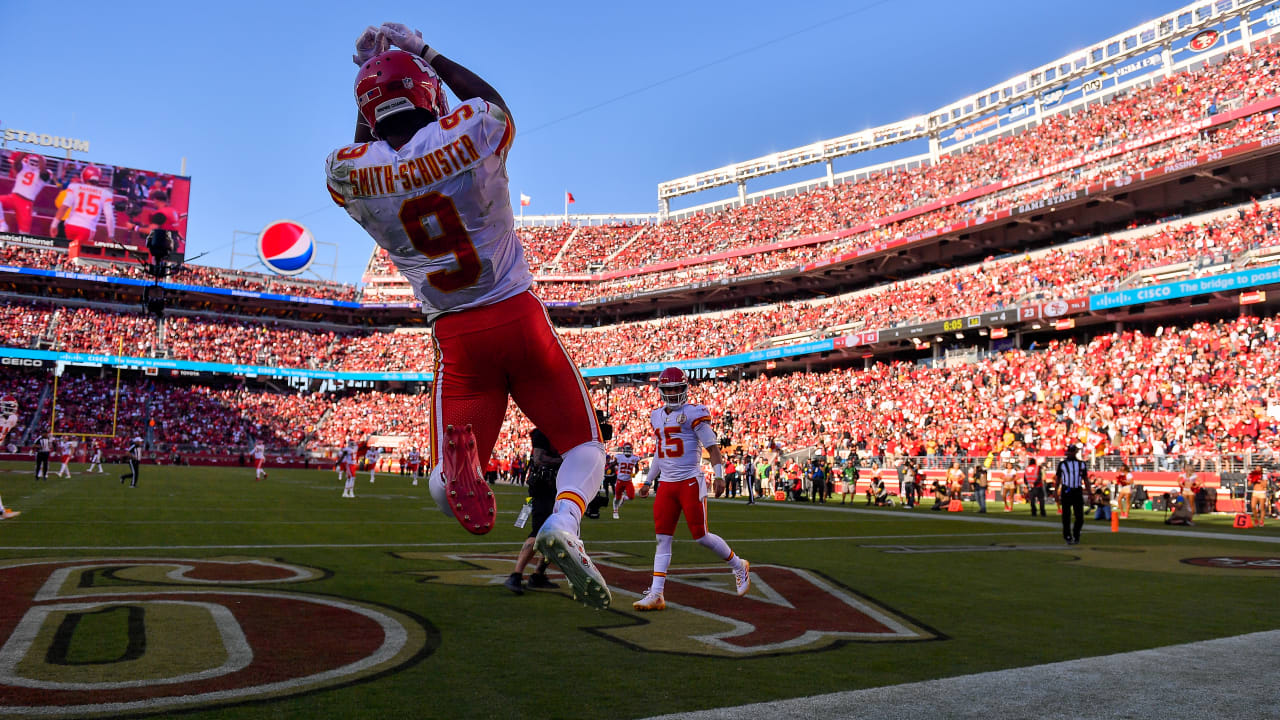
1179	682
1090	527
465	544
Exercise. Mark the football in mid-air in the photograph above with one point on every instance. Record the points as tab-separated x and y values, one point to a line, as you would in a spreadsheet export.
644	491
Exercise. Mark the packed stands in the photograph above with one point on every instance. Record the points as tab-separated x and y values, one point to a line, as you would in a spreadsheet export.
1096	265
1176	394
880	198
1191	393
56	259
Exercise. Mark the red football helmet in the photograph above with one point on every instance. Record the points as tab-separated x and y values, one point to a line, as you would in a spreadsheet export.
626	448
396	81
8	405
90	174
673	385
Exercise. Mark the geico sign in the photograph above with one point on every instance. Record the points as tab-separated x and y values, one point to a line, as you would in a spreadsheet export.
24	362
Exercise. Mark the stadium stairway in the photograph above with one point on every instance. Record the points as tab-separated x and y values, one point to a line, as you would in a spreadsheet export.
555	261
30	429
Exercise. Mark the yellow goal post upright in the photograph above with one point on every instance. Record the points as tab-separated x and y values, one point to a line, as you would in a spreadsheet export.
115	406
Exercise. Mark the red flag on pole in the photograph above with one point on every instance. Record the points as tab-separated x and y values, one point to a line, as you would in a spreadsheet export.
568	197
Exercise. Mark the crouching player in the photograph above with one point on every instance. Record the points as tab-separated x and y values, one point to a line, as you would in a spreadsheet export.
680	431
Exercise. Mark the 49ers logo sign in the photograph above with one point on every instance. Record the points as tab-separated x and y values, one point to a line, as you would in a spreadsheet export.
108	637
789	610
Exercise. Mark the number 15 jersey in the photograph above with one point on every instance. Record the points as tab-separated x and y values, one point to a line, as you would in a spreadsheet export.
441	207
679	437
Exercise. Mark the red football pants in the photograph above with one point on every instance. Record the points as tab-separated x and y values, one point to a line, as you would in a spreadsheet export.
508	349
77	234
674	498
625	487
21	208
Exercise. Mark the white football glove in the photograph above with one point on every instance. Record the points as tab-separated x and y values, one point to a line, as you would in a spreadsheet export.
366	46
406	39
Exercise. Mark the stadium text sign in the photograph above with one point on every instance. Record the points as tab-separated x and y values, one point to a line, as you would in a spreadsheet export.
45	140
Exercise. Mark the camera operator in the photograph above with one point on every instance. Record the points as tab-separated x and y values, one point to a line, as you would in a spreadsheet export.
544	463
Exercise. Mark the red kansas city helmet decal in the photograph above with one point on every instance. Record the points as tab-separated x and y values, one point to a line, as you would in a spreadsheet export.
107	637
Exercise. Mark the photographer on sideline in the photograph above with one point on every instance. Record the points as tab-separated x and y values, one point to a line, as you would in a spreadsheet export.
544	461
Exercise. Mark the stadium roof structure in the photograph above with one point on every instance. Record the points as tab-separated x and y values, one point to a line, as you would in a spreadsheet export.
1156	45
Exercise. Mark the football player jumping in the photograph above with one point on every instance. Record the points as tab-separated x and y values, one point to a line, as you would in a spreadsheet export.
429	184
680	430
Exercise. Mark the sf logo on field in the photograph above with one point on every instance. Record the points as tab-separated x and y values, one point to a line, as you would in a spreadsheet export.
102	637
1236	563
789	610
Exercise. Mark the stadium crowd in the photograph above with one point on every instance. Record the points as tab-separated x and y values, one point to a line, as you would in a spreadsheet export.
1243	79
1064	272
57	259
1190	393
1178	394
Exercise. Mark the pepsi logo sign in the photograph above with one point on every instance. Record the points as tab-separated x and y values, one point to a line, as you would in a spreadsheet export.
286	247
1203	40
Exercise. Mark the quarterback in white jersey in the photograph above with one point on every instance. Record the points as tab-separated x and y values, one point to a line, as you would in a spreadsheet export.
429	185
85	203
681	430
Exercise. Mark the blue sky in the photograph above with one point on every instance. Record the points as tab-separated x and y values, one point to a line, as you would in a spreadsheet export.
609	99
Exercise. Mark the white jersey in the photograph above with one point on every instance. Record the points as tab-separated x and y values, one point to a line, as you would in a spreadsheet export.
627	464
28	183
7	423
680	436
66	447
372	455
259	452
415	457
88	203
441	207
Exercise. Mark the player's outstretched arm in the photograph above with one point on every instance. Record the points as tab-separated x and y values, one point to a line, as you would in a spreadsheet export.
464	83
366	47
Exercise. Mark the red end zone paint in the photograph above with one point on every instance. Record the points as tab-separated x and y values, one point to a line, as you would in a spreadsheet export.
255	642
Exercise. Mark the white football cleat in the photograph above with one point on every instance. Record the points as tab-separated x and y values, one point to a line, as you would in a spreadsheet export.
650	601
9	514
742	578
615	515
558	543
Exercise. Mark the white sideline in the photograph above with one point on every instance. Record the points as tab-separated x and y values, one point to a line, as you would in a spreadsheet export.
1178	682
1090	527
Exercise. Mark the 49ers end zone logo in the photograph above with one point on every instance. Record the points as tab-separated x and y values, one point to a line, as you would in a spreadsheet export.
98	637
788	610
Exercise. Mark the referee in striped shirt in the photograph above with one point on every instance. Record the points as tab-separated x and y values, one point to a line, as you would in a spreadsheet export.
1073	481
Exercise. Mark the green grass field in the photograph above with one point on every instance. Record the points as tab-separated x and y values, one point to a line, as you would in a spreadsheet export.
298	617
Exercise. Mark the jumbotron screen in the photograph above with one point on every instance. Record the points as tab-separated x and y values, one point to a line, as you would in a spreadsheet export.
95	210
